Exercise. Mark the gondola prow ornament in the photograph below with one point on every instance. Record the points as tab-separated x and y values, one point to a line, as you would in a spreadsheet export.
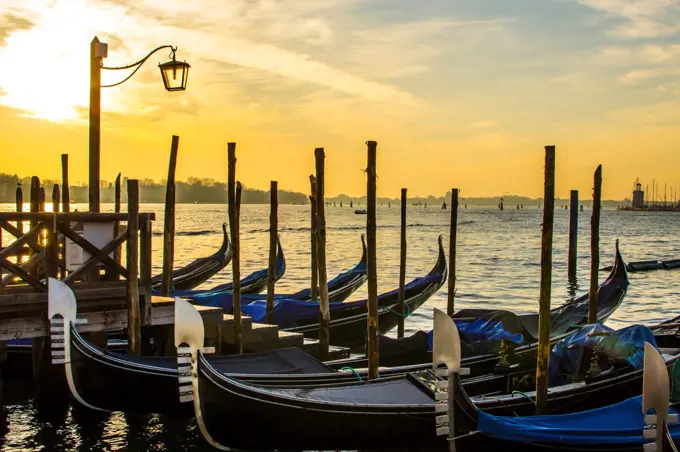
446	352
655	396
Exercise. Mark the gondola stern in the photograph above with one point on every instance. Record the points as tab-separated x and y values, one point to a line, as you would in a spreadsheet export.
280	259
440	268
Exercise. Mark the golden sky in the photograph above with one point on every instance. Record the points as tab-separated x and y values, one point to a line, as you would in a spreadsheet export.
457	93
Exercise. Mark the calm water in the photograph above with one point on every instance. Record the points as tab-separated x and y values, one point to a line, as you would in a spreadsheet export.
497	266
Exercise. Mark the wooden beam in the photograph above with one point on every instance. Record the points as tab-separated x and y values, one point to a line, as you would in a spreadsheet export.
65	194
543	359
273	232
372	346
324	314
169	224
453	232
101	255
314	256
134	314
235	246
90	248
573	234
402	264
595	246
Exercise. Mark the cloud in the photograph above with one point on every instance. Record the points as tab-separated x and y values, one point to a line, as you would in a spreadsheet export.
10	22
639	18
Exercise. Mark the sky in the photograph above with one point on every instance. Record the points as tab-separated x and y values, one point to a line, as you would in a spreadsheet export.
457	93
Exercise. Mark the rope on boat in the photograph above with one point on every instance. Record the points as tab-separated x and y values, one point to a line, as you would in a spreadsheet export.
354	371
408	311
525	395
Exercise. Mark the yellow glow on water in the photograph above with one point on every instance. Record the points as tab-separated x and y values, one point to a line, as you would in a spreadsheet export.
50	61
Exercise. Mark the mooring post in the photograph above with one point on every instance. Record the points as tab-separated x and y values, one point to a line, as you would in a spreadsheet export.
235	246
573	234
145	264
273	231
134	312
52	246
65	194
35	207
402	266
595	246
373	356
324	312
314	226
543	358
169	221
452	251
116	224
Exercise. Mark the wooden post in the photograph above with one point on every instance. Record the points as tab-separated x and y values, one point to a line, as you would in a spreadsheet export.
235	246
402	265
372	262
19	198
314	226
452	251
145	264
324	312
55	198
65	194
595	246
42	199
573	234
95	119
543	359
169	225
116	209
273	231
35	207
134	321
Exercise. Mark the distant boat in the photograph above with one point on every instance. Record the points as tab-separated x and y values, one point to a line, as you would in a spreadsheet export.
360	212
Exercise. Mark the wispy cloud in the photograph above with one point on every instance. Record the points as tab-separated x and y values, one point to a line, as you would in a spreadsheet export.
640	18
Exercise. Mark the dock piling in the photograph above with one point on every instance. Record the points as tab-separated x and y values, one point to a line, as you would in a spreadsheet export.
573	234
234	207
134	312
273	231
452	252
314	257
324	312
65	194
116	209
169	221
373	355
595	246
402	265
543	357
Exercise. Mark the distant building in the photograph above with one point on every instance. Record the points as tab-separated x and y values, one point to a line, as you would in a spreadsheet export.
638	196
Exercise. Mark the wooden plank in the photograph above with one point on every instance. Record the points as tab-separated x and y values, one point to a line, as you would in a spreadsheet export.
107	217
26	266
134	321
102	255
112	320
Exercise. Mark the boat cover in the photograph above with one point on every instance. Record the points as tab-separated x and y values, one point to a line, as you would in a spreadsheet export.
621	423
572	354
288	312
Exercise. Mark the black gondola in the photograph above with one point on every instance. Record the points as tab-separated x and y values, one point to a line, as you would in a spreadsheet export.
390	413
200	270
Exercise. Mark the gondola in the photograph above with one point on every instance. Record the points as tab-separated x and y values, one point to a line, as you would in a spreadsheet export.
339	288
348	319
390	413
200	270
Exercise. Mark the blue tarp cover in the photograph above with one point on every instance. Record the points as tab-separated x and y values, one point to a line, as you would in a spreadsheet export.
480	330
624	345
621	423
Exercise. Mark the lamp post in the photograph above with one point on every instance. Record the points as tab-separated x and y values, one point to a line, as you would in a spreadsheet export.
174	73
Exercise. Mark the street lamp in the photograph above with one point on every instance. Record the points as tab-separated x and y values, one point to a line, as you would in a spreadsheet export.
174	74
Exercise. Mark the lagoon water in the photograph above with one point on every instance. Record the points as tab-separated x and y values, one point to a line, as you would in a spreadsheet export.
498	265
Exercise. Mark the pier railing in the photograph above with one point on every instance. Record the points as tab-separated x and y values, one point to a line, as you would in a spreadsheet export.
80	248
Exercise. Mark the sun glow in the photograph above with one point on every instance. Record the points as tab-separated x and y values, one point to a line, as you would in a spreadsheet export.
50	61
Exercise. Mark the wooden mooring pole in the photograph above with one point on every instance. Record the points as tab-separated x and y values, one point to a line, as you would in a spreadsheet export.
235	246
314	256
543	359
169	221
134	311
402	265
453	232
324	313
595	246
372	324
573	234
273	231
65	194
116	209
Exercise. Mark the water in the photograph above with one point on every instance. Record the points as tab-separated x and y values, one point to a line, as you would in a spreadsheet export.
498	265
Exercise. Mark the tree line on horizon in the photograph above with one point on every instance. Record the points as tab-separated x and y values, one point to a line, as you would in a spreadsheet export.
211	191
